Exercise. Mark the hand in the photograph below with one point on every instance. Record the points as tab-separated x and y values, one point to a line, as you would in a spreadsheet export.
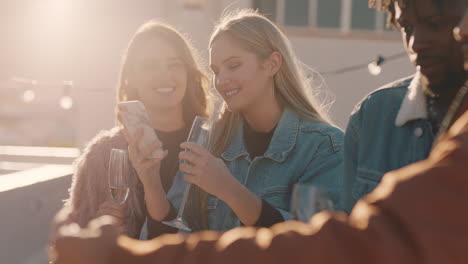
117	211
205	170
92	245
146	167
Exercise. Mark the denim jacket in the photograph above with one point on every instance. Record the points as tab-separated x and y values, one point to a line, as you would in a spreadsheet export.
388	130
300	151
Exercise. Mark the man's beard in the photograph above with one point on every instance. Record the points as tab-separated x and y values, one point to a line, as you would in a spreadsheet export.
448	87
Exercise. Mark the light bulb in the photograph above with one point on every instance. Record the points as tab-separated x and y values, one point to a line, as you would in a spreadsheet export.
66	102
374	68
28	96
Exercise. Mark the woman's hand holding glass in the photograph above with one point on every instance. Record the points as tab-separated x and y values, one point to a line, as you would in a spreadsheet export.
204	170
117	211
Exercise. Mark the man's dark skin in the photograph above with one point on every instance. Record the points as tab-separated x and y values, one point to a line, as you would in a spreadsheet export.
427	32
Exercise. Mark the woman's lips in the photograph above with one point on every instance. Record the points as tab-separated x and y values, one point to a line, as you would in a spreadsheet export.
231	93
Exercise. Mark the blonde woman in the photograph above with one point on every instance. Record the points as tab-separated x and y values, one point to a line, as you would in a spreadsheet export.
270	136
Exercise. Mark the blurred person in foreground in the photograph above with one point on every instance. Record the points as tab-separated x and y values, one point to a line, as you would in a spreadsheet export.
416	215
397	124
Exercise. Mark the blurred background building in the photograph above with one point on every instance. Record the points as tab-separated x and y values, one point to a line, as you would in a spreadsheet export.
80	42
59	64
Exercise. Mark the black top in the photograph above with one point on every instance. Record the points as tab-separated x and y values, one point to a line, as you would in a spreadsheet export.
169	167
256	142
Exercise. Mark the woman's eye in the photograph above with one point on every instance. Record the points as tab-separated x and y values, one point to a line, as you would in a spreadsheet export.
234	66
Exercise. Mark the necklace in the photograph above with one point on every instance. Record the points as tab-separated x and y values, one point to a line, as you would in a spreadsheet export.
452	110
434	112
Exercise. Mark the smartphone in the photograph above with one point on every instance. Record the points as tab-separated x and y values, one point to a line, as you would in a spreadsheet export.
134	116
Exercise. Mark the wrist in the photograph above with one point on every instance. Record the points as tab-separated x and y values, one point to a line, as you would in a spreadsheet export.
151	182
157	204
230	191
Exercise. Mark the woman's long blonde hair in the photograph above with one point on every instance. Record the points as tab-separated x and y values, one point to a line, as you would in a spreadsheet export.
257	34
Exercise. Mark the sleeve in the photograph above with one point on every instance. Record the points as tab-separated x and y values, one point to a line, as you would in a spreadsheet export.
156	228
86	189
351	142
268	216
89	188
326	167
84	199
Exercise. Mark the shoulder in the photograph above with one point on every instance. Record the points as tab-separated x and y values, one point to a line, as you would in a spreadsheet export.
389	94
103	142
322	133
382	104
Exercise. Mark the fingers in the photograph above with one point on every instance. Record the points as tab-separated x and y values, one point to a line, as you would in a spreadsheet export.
195	148
190	157
139	158
152	147
146	163
189	169
111	208
193	179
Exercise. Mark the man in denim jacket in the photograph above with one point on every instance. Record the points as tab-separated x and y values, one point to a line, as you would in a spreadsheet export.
396	125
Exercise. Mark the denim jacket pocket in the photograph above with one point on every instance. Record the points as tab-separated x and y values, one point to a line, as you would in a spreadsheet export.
366	181
278	196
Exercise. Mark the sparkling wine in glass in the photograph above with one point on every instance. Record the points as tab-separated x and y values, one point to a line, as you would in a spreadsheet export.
200	134
307	200
118	175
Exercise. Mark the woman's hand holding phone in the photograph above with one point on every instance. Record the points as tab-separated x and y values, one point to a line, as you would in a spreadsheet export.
147	168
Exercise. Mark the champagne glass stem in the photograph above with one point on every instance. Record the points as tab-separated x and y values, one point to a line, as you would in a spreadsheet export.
184	201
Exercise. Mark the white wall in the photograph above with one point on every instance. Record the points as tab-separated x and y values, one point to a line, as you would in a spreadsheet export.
325	54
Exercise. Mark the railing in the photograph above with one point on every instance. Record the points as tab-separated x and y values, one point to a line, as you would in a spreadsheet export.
33	183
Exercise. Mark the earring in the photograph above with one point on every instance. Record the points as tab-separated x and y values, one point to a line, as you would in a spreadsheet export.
456	34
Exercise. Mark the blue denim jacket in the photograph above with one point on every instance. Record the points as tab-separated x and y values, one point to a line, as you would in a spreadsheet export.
388	130
300	151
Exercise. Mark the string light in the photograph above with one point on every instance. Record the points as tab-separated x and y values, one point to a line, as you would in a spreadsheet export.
30	88
29	95
374	67
66	101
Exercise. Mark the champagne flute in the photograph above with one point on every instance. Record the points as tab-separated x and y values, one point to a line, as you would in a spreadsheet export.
200	134
118	175
308	200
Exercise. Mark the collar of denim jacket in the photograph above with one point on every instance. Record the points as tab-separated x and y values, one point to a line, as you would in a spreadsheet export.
281	144
414	104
